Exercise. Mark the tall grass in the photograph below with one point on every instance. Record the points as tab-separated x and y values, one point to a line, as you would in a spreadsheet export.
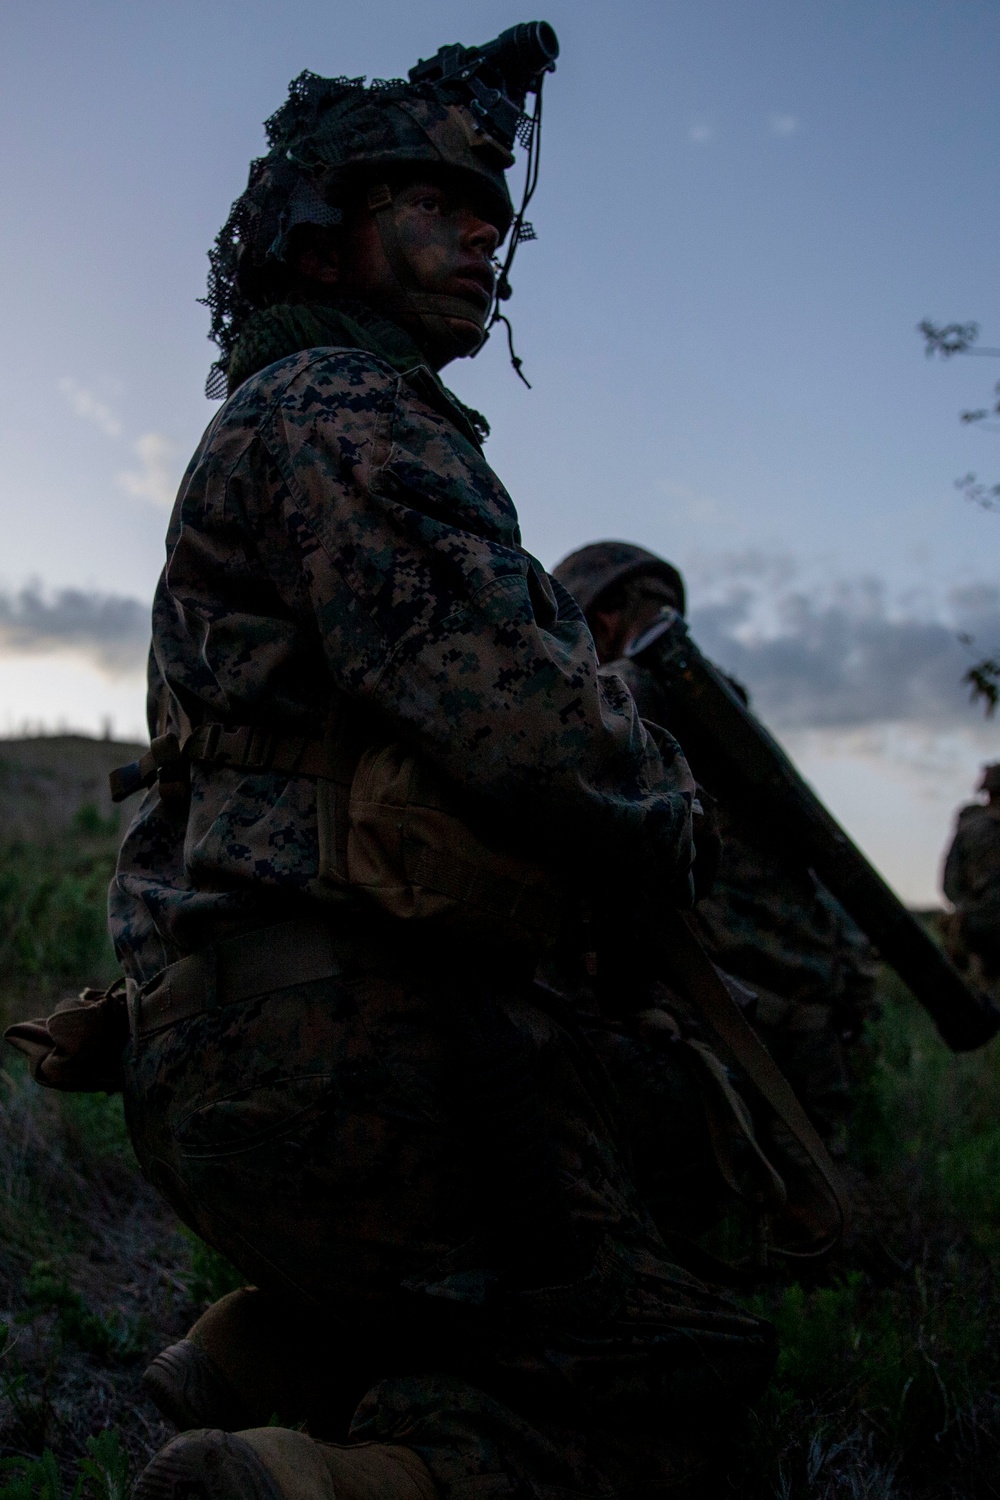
53	902
888	1382
95	1273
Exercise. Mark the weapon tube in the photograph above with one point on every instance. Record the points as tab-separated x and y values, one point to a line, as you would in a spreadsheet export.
709	718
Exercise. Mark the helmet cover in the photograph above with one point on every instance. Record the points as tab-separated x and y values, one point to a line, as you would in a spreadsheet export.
329	135
990	780
590	571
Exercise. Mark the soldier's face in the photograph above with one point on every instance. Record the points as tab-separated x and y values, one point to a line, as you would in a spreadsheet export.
447	242
447	247
615	629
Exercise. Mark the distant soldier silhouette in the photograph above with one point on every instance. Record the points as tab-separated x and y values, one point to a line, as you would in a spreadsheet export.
972	885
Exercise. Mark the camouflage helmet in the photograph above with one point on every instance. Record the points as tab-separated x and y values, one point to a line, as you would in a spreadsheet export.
590	571
990	779
335	136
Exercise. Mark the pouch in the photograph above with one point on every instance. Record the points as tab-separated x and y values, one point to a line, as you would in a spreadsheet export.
406	845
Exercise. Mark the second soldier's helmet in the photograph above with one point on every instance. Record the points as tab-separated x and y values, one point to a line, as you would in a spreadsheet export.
990	780
595	569
462	111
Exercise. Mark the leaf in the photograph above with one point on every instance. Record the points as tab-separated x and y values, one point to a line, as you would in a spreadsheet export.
949	339
107	1465
984	681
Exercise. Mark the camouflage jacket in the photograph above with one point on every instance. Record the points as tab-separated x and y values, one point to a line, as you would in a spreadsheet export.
338	531
972	868
768	920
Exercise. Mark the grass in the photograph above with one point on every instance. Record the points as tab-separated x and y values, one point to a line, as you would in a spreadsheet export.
104	1473
52	907
888	1384
96	1275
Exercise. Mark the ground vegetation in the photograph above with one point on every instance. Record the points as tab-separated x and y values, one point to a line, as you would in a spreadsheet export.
889	1379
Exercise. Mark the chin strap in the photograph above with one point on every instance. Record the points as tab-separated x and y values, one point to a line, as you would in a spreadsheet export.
530	136
433	309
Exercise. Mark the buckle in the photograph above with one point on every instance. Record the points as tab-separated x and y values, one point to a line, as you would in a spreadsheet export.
125	780
379	198
259	750
211	740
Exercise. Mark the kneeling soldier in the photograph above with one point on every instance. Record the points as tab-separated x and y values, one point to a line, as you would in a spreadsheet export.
381	751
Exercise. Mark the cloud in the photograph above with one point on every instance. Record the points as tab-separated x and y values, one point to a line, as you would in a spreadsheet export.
844	656
86	405
783	125
701	134
696	504
110	630
156	478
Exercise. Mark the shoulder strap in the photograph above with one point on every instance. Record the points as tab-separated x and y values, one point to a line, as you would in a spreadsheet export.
694	971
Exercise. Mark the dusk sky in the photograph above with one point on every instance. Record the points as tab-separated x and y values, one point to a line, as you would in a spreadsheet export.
744	211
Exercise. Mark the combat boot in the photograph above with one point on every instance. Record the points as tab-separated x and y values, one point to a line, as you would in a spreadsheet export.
240	1365
274	1463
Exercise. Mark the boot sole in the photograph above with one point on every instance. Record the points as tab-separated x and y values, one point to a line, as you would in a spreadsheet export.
190	1392
206	1465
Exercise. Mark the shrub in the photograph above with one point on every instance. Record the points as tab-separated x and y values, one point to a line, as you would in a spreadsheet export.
53	911
888	1382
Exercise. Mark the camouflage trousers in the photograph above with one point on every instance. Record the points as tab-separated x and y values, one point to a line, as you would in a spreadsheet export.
432	1170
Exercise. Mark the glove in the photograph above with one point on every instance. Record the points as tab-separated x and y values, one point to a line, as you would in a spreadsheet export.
79	1047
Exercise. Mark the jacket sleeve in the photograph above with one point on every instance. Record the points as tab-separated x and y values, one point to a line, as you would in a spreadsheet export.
432	615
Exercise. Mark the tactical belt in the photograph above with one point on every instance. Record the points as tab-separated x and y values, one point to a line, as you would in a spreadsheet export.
246	749
242	969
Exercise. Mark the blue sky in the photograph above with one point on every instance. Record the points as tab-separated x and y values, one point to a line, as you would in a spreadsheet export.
744	211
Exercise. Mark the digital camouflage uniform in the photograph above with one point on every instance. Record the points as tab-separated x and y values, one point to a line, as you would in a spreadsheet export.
773	925
338	534
972	885
767	920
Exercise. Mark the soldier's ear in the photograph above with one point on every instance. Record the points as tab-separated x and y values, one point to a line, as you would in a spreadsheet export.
318	258
605	627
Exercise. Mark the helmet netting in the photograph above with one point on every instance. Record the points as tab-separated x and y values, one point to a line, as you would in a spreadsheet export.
254	221
317	111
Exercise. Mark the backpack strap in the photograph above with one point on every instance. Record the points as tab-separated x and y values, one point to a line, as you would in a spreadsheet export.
248	748
165	750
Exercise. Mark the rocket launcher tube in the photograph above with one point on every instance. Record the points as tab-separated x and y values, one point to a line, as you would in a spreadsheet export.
707	716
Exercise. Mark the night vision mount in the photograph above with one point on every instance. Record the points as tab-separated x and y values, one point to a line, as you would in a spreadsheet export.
496	77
